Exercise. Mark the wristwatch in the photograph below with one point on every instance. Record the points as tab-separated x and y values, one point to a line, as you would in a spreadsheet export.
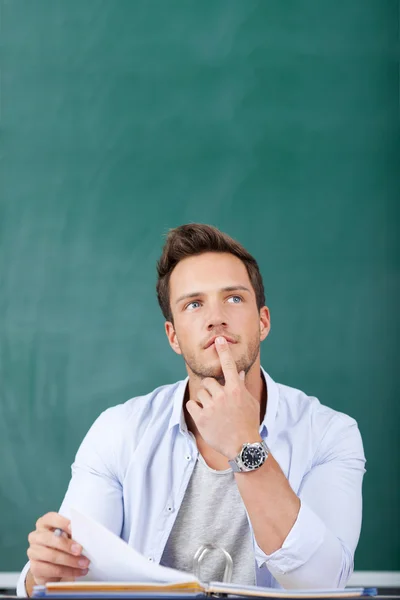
251	457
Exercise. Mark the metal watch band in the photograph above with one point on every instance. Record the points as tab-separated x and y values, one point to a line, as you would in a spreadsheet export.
237	465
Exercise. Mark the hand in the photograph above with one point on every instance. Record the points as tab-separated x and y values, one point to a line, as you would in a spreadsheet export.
226	416
54	558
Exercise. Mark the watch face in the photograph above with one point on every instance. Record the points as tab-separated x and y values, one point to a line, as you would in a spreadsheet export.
253	456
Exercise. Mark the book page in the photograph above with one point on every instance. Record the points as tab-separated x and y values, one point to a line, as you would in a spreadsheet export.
112	559
217	587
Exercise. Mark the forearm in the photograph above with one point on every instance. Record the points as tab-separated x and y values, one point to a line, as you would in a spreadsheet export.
291	539
322	525
271	504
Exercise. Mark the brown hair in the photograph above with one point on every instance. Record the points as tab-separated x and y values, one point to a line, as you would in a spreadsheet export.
193	239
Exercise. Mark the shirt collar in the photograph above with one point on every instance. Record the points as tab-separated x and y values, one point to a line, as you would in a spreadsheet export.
178	417
272	404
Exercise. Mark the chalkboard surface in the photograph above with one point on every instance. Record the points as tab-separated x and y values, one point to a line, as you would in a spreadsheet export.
277	122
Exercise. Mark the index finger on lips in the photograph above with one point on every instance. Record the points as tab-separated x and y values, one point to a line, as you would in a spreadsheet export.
227	361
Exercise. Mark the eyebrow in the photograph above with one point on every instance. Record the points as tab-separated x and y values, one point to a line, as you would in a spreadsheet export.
230	288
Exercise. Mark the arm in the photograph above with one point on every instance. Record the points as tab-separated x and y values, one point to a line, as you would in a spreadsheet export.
271	504
316	548
311	538
94	489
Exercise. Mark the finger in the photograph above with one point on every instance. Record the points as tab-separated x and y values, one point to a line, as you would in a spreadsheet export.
193	409
212	386
61	533
227	361
46	571
44	537
53	520
204	398
56	557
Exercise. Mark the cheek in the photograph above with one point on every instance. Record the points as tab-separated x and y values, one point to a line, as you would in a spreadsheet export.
245	320
184	334
190	324
252	328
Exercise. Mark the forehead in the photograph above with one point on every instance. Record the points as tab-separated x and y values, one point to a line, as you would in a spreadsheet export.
206	273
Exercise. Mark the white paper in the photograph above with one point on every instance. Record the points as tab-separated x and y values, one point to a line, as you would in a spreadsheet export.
112	559
252	590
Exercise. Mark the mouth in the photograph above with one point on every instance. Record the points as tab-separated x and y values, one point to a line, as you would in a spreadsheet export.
211	342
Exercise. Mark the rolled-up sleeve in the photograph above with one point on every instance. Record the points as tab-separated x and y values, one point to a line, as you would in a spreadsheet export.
319	549
298	548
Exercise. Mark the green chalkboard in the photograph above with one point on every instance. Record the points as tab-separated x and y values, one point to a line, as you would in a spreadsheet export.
277	122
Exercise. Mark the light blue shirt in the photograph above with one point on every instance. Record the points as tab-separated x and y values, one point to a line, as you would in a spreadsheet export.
133	467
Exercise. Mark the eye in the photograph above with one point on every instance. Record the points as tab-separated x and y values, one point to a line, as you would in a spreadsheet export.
192	305
235	299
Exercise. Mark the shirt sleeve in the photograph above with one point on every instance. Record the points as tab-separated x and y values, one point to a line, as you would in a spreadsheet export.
319	550
21	589
95	488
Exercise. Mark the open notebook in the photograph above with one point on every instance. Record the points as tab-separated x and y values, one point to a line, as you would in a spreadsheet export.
117	569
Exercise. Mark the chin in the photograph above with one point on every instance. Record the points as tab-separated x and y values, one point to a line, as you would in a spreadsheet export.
208	370
211	371
216	374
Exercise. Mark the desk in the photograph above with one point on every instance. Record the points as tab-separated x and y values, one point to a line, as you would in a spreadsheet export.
383	594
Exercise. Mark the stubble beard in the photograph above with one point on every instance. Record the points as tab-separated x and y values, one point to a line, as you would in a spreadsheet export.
243	363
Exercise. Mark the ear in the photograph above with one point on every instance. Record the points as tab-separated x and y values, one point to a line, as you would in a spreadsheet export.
172	338
265	323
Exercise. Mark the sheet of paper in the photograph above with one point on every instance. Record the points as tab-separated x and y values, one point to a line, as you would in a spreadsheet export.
252	590
112	559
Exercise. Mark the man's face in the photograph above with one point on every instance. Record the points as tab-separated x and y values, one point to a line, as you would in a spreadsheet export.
211	295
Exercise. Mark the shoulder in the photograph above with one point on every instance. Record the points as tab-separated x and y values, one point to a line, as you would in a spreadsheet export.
329	432
117	431
137	413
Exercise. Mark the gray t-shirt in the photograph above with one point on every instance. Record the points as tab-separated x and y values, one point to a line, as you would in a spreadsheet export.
212	512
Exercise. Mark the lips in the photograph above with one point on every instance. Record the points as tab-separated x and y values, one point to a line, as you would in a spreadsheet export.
212	340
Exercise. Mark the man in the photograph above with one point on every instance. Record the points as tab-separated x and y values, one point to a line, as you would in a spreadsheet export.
226	457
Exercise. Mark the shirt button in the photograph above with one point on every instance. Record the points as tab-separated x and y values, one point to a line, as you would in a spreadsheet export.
170	508
150	559
188	457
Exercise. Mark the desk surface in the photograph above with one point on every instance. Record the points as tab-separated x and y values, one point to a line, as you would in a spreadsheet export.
384	594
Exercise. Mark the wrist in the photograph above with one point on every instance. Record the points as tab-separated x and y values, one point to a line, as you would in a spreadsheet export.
236	447
252	456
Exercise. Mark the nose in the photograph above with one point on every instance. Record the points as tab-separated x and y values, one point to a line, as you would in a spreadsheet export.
216	318
215	324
